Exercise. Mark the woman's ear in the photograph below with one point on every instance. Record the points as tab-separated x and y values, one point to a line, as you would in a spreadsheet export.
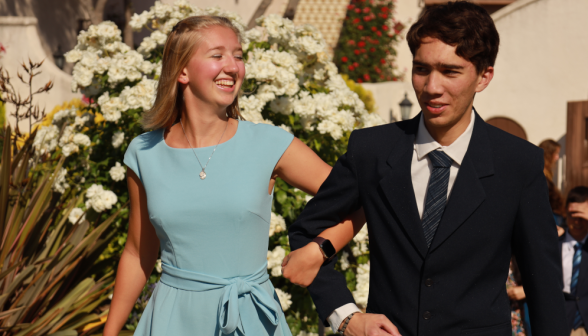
183	77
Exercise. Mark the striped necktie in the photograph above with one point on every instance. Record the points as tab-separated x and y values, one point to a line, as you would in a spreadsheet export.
574	284
436	193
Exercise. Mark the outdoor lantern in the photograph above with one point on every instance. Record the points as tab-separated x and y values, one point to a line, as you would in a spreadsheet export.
405	107
59	58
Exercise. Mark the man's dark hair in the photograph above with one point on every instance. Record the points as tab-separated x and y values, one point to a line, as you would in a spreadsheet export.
461	24
577	195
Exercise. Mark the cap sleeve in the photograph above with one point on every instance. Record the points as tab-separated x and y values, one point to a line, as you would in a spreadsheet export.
276	140
131	159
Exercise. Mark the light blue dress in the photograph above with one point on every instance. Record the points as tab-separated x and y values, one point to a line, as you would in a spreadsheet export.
213	233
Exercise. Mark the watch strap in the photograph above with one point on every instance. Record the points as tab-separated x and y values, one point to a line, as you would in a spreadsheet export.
320	241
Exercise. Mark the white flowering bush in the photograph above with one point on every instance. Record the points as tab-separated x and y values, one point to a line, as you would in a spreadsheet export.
290	82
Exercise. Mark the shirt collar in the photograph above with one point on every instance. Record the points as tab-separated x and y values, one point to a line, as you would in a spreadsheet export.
424	143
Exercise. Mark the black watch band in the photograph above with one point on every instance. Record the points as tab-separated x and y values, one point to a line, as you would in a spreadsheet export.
326	247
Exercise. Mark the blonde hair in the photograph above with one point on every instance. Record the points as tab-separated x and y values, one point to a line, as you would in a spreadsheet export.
178	50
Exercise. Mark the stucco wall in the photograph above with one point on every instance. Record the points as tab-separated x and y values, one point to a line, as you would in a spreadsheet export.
542	64
20	36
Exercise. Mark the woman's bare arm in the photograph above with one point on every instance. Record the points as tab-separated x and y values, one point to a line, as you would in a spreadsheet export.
137	260
303	169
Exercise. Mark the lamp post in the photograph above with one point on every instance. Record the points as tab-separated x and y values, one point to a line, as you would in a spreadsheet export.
392	118
59	58
405	107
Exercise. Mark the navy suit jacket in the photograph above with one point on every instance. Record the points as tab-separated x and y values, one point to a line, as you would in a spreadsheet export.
580	301
498	207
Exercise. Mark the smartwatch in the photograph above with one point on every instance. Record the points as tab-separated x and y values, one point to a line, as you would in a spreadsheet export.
326	247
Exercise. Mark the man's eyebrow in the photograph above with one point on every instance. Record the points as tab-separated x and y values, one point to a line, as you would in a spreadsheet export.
440	65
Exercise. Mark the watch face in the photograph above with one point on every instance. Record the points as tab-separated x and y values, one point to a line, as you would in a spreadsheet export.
328	249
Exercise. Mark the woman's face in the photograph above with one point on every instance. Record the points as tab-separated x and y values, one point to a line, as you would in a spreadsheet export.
216	70
555	157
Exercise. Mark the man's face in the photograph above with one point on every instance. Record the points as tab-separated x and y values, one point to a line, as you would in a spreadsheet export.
445	84
577	219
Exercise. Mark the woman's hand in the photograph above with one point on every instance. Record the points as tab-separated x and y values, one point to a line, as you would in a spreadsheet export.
516	293
302	266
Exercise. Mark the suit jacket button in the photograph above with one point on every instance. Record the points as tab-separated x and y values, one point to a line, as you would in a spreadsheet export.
427	315
429	282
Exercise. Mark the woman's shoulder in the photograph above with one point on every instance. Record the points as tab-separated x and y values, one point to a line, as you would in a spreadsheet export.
265	131
146	141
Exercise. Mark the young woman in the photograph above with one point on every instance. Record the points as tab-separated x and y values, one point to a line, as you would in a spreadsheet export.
201	186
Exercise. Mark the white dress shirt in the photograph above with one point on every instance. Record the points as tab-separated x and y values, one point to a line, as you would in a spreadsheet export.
567	259
420	171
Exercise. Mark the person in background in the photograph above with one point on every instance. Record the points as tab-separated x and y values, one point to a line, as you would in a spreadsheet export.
574	257
551	151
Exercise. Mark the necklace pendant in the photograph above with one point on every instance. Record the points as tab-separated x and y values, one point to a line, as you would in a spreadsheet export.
202	175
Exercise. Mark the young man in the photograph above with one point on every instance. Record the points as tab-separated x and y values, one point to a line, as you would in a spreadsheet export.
574	257
448	199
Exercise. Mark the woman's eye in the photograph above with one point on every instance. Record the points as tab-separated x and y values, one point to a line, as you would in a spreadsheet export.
217	56
239	57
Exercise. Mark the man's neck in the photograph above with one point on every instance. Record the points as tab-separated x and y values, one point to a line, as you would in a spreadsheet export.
578	236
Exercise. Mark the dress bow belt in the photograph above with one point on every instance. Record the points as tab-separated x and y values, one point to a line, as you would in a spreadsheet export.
236	291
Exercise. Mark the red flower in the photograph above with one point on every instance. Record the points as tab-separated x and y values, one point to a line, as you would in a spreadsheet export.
344	59
361	44
351	68
384	9
378	70
356	51
366	10
384	16
359	80
360	27
362	50
374	29
357	10
366	77
383	61
372	49
356	21
385	28
355	64
351	42
350	7
379	33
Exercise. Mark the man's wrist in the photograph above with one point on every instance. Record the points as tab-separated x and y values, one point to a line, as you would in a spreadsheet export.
345	323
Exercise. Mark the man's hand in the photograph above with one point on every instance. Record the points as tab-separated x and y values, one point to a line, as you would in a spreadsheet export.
578	210
302	266
370	325
516	293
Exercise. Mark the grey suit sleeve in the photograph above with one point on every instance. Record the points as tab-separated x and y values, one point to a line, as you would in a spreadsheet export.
337	198
535	247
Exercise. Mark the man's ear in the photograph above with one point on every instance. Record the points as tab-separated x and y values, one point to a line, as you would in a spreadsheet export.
484	79
183	77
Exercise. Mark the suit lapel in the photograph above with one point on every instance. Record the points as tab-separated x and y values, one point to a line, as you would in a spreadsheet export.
397	185
468	192
583	270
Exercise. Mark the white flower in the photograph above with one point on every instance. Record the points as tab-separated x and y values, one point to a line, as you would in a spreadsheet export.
277	224
100	199
46	139
285	299
82	75
59	183
304	333
117	139
75	215
73	56
158	266
139	20
59	115
362	235
69	149
362	288
82	140
344	260
117	172
274	260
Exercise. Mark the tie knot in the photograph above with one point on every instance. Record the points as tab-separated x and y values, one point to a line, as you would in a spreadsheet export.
440	159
